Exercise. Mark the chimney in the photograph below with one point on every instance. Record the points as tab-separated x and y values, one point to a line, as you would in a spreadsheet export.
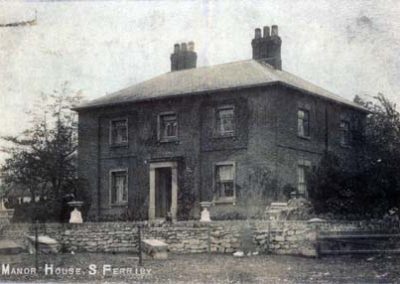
268	47
191	56
174	57
183	57
256	43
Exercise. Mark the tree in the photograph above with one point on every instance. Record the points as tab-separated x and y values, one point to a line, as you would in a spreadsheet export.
374	188
329	189
380	159
42	160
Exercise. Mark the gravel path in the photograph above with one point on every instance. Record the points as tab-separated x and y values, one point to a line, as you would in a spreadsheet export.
202	268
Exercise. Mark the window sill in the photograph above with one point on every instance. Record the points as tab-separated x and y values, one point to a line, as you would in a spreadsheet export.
122	204
169	140
226	135
346	146
303	137
122	145
225	200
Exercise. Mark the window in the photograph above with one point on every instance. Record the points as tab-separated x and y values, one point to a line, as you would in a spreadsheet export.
303	170
345	134
225	124
119	132
167	127
119	187
224	181
303	123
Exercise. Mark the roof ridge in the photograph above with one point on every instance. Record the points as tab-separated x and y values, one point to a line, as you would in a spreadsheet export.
173	72
207	66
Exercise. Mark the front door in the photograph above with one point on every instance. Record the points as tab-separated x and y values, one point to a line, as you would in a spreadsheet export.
163	192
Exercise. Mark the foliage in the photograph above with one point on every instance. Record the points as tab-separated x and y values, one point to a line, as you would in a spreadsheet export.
380	159
326	183
42	160
299	209
186	201
43	210
222	212
372	189
288	189
258	190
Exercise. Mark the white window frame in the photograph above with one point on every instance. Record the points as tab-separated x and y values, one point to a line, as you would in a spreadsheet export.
344	132
159	130
303	135
217	198
118	202
217	129
304	164
111	140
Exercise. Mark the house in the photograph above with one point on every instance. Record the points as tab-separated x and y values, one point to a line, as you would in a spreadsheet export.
210	134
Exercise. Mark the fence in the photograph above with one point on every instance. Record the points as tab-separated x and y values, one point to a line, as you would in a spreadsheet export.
357	243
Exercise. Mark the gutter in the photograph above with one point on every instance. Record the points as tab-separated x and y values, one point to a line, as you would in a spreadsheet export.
351	105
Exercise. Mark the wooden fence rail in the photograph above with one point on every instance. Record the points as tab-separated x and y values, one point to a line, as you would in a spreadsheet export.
335	243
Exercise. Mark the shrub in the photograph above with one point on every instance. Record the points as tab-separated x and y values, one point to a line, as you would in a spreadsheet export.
257	191
42	211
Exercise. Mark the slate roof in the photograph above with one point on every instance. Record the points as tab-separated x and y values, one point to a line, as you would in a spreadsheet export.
235	75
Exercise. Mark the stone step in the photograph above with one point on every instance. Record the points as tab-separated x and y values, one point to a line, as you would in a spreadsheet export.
155	249
45	244
10	247
278	204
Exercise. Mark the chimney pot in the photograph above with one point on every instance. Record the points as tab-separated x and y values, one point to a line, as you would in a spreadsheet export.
183	46
266	31
274	30
257	33
176	47
191	46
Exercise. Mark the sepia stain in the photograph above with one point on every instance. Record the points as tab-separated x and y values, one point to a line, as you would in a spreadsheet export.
32	22
364	21
361	29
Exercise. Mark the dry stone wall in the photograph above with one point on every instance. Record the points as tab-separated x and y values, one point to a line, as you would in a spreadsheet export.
277	237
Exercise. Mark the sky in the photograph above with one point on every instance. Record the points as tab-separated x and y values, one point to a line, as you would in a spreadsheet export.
347	47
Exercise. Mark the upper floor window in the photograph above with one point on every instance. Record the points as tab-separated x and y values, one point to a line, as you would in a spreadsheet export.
167	126
225	124
303	123
119	132
225	181
119	187
345	134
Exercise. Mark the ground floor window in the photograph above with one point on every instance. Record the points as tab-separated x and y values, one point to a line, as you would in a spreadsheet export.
119	187
225	181
303	170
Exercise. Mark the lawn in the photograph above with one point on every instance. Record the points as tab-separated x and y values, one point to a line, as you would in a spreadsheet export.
202	268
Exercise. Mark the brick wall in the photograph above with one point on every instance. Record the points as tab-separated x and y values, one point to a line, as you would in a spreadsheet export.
266	140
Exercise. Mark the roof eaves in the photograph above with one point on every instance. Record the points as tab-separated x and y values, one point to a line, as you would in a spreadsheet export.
349	104
174	96
95	106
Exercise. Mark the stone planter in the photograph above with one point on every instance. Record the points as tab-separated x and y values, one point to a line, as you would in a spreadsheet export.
205	214
76	215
